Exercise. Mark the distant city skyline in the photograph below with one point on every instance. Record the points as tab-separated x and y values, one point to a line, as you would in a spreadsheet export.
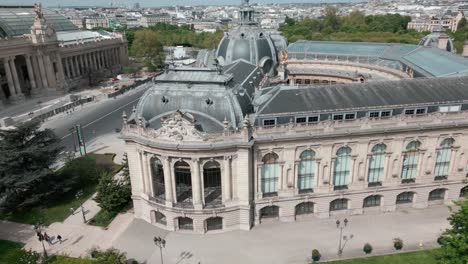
158	3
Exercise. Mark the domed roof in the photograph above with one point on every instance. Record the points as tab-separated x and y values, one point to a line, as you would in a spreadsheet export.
438	39
249	43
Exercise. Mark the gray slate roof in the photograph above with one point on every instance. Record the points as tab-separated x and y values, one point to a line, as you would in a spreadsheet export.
293	99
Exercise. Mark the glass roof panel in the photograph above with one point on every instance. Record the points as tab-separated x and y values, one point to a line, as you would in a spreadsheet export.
17	21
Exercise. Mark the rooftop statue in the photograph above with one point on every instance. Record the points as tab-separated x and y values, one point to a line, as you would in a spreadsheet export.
245	2
38	11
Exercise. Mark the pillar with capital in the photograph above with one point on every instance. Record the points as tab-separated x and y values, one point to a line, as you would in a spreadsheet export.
196	185
51	78
227	181
167	181
15	77
30	73
40	61
11	85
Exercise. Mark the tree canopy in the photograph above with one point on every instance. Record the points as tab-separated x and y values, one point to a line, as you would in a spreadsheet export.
26	155
354	27
114	193
455	239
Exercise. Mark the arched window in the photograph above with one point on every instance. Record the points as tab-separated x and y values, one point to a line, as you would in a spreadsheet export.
270	174
212	183
160	218
410	162
306	172
158	178
185	223
377	164
405	197
444	154
305	208
214	223
339	204
269	212
464	192
371	201
183	180
342	167
437	194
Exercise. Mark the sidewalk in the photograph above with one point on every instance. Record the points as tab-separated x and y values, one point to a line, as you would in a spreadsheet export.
287	243
78	237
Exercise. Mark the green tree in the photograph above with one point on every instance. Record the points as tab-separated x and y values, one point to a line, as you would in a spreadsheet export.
462	24
110	256
26	155
455	239
114	193
331	21
148	47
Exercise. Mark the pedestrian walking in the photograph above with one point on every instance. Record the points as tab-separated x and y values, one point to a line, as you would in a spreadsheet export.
59	237
48	239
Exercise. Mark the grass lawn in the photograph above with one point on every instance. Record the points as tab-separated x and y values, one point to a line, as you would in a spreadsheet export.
59	210
9	251
103	218
418	257
56	212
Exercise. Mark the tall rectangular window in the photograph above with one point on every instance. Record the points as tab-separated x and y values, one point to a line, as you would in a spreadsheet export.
342	167
270	176
377	164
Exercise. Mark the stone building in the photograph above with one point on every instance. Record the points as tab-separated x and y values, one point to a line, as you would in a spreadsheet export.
43	53
448	23
210	150
153	19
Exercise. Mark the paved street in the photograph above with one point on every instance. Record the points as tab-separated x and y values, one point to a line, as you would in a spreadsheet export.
96	119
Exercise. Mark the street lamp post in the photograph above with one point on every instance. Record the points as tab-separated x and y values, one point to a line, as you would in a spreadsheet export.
341	226
160	243
78	195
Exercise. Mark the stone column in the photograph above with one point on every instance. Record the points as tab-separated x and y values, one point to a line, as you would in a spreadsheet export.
196	184
117	57
72	66
95	64
86	62
40	61
37	71
51	78
227	193
103	61
146	176
67	68
83	70
149	156
60	72
167	181
30	72
77	66
11	85
15	76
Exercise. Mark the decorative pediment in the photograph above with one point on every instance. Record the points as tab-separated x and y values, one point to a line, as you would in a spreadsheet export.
179	126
